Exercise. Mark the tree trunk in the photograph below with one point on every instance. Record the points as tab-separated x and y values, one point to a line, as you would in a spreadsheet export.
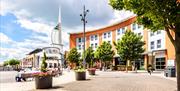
177	49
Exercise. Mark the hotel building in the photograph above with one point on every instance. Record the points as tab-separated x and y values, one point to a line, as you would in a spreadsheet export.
159	52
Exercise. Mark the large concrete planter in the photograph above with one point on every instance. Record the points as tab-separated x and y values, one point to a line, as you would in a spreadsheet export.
43	82
80	75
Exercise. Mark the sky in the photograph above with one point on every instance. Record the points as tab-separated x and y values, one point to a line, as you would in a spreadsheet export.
27	24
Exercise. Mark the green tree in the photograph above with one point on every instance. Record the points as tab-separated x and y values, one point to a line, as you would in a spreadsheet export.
5	63
156	15
44	64
104	52
13	62
89	56
130	47
74	56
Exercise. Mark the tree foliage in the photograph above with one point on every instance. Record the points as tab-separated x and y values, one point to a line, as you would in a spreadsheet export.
44	64
5	63
13	62
130	47
74	56
153	14
89	56
104	52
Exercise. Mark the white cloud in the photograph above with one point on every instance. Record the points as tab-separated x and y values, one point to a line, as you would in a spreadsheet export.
40	16
4	38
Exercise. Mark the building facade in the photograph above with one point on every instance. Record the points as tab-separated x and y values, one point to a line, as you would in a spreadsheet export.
159	51
34	58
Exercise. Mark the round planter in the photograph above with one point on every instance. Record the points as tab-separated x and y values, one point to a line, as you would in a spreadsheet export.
80	75
43	82
92	72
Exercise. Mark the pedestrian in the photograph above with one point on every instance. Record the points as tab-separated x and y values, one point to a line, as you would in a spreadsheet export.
149	70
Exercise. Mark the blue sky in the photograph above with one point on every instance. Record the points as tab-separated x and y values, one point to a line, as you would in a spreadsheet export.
27	24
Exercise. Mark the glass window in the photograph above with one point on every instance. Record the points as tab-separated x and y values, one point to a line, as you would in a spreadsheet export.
159	32
104	35
118	32
79	46
50	65
50	51
139	26
79	40
109	34
95	45
92	45
109	42
152	33
139	34
92	37
134	26
123	30
159	43
96	37
160	63
55	65
152	45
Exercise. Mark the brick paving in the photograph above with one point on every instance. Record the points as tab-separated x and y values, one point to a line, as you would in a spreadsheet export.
103	81
119	81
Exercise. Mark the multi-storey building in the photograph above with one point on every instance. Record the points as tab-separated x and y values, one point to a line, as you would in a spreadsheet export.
159	51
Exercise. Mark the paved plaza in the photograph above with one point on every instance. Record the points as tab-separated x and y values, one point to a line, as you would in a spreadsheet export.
103	81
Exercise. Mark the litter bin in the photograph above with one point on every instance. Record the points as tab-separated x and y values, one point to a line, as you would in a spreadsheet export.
171	71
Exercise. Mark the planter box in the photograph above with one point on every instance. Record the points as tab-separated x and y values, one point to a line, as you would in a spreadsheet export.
80	75
43	82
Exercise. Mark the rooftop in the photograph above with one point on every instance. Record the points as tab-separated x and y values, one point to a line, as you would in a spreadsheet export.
106	26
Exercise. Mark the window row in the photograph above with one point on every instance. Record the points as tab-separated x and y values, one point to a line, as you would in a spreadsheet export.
94	45
121	31
153	33
94	37
158	44
107	35
136	26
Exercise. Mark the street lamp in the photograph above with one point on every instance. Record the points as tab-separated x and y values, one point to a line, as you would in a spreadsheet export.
83	19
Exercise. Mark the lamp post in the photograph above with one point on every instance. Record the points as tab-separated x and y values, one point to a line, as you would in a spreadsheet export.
83	19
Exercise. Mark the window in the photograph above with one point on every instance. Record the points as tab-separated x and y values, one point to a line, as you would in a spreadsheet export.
50	65
109	34
95	37
123	30
139	26
152	45
92	45
159	43
95	45
158	32
134	26
152	33
50	51
109	42
118	32
55	65
79	47
160	63
139	34
104	35
92	37
118	39
79	40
